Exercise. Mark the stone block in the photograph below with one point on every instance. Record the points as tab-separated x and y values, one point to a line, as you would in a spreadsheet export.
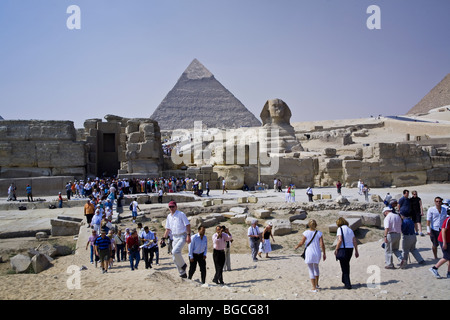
376	198
299	215
367	219
242	200
252	199
326	196
238	210
354	223
404	179
40	262
239	218
20	263
281	227
262	213
210	222
217	201
229	215
207	203
64	227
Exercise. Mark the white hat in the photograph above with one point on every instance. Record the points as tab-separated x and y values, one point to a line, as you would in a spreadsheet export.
386	209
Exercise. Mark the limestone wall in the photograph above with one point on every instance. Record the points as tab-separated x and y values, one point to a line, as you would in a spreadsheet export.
40	148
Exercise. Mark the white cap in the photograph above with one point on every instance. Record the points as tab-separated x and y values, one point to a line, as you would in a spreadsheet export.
386	209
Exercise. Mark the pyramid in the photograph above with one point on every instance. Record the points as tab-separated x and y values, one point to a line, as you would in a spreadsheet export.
198	96
439	96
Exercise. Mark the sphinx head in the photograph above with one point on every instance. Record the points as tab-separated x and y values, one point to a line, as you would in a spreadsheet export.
276	111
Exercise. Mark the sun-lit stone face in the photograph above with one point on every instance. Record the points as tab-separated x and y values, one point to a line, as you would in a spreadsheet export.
277	110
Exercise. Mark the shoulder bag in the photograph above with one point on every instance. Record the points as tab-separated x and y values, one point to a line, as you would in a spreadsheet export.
341	251
304	251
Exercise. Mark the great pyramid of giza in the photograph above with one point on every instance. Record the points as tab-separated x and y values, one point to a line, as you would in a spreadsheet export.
439	96
198	96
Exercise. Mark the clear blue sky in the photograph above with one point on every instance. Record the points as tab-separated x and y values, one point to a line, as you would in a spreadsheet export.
316	55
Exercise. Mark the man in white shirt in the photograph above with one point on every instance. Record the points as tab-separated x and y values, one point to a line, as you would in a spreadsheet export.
435	217
179	225
254	236
392	237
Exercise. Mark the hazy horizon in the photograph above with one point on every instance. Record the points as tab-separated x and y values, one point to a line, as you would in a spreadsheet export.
318	56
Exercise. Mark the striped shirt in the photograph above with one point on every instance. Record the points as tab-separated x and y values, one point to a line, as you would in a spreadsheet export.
103	243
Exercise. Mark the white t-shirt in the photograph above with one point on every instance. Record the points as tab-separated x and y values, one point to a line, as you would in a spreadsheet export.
177	222
348	236
313	252
135	205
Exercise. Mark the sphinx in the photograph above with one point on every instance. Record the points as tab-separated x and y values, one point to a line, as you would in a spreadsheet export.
276	116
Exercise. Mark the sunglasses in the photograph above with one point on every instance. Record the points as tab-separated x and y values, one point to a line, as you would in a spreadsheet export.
171	206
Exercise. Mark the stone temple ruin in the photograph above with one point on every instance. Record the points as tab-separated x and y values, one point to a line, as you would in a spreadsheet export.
380	151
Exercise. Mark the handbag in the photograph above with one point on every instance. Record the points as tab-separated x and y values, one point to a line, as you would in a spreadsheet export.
303	254
341	251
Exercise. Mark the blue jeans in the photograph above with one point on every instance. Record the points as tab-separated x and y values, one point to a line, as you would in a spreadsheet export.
92	254
134	256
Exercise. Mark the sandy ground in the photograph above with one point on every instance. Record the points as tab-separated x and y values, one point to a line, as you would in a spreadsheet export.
282	277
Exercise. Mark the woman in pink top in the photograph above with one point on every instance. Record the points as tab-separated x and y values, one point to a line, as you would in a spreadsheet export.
219	244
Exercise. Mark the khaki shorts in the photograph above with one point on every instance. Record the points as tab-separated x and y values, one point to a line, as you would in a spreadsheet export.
104	255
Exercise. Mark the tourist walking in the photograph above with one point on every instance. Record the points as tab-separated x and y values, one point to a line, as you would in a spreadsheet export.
12	193
266	246
133	249
435	218
346	241
179	225
148	246
392	236
365	191
360	186
292	194
89	211
103	250
119	239
254	236
91	244
404	204
134	208
409	240
29	193
287	194
219	240
96	221
310	194
314	249
339	187
224	186
444	242
416	212
197	253
227	265
60	200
